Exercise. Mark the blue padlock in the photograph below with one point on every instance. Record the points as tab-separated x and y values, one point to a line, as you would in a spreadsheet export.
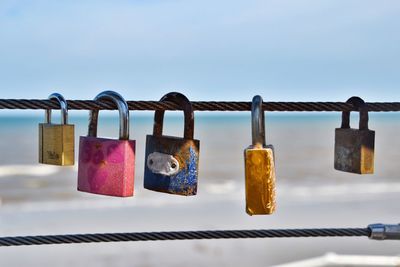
172	163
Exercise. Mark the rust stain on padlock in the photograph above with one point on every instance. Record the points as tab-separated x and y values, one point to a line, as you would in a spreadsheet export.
354	148
182	152
184	180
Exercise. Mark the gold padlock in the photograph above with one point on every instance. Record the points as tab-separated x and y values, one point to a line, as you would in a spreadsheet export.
56	141
259	166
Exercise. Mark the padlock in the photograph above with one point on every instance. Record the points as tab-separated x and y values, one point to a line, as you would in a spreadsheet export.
354	148
259	166
107	166
172	163
56	141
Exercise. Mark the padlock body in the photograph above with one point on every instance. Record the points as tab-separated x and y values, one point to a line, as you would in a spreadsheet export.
354	150
260	180
56	144
106	166
185	154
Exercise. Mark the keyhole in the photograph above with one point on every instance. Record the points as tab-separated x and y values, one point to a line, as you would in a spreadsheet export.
151	162
173	165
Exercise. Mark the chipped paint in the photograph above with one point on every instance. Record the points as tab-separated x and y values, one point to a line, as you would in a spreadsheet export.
186	153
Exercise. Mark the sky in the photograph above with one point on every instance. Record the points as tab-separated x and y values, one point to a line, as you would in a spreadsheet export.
209	50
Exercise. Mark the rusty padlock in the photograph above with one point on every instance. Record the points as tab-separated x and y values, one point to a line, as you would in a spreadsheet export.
107	166
172	163
56	141
354	148
259	166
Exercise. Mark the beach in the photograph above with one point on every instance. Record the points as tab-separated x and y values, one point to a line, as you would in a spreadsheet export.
41	199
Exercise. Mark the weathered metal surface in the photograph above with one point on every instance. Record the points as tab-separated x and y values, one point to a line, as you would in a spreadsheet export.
56	144
259	165
106	166
260	180
185	151
57	141
172	163
354	150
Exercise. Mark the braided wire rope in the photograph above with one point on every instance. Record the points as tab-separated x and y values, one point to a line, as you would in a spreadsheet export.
197	105
189	235
183	235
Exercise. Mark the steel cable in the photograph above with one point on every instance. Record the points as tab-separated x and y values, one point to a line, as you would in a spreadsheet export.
189	235
184	235
197	105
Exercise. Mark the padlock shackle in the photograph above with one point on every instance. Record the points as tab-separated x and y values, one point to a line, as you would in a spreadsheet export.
360	105
187	108
63	107
123	109
257	122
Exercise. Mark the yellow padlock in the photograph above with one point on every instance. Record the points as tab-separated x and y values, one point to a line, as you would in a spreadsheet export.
56	141
259	166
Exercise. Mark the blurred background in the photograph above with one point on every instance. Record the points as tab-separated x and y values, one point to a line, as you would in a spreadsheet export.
282	50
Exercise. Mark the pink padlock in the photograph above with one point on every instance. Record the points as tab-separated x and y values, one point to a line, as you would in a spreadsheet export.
107	166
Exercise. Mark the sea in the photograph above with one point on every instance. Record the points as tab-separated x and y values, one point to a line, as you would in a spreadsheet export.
37	199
